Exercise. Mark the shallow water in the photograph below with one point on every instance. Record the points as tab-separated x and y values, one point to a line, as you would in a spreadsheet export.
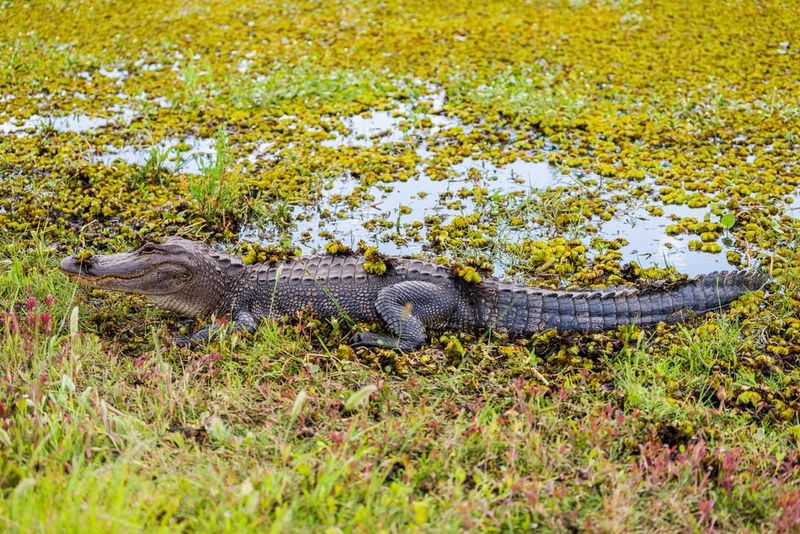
74	123
387	219
114	73
189	161
386	126
422	195
649	244
77	123
419	197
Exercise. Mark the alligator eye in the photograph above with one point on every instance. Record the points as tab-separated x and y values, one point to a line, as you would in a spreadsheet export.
148	248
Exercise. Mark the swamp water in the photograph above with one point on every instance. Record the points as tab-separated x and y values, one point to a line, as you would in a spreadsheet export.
404	203
399	206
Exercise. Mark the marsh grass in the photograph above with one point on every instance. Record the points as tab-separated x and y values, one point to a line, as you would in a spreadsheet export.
156	168
310	84
217	192
527	91
198	86
32	56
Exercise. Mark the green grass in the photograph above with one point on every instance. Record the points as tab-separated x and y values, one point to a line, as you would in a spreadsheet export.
528	91
156	167
216	192
312	85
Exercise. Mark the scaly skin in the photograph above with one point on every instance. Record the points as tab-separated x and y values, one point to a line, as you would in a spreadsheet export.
189	278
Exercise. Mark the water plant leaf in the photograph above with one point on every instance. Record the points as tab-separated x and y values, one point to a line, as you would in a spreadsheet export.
728	220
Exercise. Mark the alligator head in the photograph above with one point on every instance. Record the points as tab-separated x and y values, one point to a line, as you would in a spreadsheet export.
177	274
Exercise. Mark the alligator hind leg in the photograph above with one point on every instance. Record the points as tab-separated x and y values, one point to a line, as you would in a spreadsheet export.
407	308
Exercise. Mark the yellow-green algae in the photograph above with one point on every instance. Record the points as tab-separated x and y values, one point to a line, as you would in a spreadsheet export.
374	262
672	102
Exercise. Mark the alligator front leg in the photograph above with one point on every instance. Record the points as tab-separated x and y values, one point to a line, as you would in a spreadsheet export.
406	308
243	322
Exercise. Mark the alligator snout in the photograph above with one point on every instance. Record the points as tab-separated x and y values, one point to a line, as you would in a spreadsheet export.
72	265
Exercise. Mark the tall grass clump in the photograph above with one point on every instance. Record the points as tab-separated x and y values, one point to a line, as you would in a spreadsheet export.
217	192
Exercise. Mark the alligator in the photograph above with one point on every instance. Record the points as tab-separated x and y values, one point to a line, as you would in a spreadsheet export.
190	278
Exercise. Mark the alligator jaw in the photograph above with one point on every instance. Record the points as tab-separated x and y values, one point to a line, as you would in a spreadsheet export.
128	272
95	271
176	274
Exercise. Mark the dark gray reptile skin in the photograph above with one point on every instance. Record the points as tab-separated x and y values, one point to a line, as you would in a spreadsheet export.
415	296
421	295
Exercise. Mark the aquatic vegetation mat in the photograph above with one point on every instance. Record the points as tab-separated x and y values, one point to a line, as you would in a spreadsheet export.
554	143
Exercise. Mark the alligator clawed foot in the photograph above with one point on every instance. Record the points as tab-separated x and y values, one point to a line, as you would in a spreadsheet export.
368	339
184	341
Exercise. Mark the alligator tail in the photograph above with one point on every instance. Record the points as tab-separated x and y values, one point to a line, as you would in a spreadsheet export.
588	311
